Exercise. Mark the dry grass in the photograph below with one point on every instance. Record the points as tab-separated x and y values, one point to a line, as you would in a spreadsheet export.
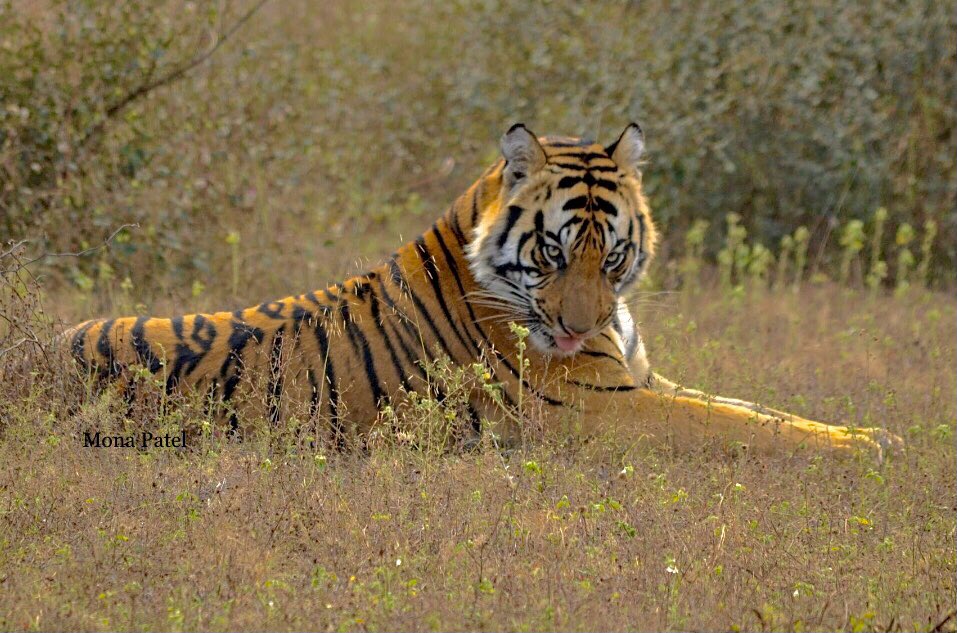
325	134
554	536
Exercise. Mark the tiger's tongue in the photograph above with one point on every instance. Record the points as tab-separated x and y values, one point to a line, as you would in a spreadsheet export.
567	343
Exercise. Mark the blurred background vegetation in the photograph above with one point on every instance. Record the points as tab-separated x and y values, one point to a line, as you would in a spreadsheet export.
267	155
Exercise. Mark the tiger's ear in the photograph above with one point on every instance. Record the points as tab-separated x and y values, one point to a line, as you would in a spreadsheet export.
523	154
628	149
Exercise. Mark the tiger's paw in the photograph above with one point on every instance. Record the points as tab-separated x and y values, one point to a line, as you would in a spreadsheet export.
876	441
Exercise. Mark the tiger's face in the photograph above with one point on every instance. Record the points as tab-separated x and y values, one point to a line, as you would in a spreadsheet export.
570	232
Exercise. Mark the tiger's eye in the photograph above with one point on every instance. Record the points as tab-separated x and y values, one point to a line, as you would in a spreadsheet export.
554	254
613	260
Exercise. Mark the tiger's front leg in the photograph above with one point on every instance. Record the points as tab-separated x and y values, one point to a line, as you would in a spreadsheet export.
686	418
663	412
692	418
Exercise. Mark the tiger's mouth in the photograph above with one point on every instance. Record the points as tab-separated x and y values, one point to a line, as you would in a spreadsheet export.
558	339
558	342
551	335
568	344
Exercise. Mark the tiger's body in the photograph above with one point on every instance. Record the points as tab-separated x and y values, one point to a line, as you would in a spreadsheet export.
549	238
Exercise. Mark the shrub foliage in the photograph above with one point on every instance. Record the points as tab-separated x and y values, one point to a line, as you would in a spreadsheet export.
337	116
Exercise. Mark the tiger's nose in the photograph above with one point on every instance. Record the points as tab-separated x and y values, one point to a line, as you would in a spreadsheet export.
574	329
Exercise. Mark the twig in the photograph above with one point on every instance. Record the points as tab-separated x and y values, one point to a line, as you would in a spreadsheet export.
940	625
3	352
21	265
168	78
14	247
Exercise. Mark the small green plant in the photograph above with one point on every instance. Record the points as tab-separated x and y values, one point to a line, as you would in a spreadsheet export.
878	267
801	238
905	258
852	242
434	419
521	335
694	253
674	590
926	252
760	265
784	257
232	239
733	257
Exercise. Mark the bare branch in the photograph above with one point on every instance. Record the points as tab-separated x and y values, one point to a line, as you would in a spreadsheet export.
13	248
21	265
170	77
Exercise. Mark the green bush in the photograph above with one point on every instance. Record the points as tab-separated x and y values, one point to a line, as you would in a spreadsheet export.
323	121
71	149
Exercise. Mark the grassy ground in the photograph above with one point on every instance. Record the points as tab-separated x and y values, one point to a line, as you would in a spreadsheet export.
318	137
553	536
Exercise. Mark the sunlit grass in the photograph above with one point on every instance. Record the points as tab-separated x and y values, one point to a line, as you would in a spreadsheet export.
554	534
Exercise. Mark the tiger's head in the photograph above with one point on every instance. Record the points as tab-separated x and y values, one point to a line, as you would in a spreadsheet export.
567	234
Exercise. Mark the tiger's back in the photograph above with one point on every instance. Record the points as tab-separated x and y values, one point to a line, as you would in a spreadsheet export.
351	347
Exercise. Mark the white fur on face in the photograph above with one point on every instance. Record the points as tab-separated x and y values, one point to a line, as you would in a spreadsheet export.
503	272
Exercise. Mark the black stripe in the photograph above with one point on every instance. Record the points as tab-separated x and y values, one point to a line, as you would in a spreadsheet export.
568	143
453	223
604	205
410	356
453	267
200	325
330	375
314	393
105	349
584	385
409	327
78	344
575	203
361	345
511	368
514	212
186	359
203	325
404	287
569	181
144	353
377	321
433	274
562	170
228	388
275	375
597	354
177	323
273	309
238	339
475	210
416	362
299	317
360	287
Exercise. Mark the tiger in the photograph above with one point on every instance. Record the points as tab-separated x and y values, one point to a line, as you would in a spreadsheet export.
541	249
